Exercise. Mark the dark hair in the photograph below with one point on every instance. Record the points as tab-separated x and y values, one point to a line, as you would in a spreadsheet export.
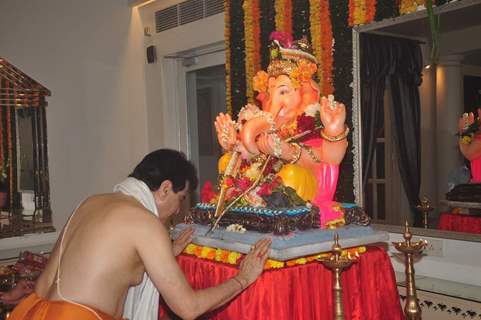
166	164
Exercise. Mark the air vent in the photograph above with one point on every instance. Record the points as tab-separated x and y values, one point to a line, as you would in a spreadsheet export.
213	7
186	12
166	19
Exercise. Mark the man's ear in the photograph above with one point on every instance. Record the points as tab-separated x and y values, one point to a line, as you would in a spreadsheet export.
164	189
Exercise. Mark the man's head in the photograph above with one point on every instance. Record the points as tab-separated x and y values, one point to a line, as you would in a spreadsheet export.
169	175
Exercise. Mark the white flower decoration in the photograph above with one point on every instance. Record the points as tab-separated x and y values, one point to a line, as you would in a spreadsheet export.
312	109
236	228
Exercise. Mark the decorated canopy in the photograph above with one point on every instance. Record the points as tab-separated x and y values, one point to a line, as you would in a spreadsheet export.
19	91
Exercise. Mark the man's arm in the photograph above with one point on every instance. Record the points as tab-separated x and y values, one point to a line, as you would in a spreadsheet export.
155	249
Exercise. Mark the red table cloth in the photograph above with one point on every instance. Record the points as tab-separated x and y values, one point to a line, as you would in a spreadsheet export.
459	222
304	291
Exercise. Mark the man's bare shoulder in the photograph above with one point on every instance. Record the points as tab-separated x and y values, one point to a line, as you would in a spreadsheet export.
120	209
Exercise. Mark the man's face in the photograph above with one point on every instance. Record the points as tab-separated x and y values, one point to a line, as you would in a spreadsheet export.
169	202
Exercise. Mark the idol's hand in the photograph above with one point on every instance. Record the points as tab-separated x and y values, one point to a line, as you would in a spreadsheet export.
333	117
270	143
248	112
226	132
184	238
466	120
252	265
266	143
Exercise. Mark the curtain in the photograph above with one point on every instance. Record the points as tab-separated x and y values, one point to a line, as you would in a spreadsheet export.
400	62
303	291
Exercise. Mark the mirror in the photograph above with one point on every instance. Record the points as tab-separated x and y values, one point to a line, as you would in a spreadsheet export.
25	152
448	89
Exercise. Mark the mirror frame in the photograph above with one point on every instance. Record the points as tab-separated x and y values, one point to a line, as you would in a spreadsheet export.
356	119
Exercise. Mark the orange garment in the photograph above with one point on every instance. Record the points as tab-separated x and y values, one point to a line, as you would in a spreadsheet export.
35	308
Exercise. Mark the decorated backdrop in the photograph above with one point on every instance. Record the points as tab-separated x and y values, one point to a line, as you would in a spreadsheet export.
327	25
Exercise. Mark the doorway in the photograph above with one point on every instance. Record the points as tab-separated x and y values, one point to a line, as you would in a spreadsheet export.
205	97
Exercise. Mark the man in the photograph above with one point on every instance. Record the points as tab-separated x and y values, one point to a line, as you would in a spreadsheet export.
112	239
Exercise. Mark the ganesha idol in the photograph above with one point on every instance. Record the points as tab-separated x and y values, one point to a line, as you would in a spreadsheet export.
301	135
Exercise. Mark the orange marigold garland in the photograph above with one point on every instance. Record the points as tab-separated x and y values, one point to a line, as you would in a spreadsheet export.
288	16
279	6
283	15
256	29
370	10
234	258
327	43
352	8
260	81
249	48
407	6
361	11
316	31
228	97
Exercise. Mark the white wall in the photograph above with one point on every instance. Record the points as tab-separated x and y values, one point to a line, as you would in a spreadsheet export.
90	55
164	81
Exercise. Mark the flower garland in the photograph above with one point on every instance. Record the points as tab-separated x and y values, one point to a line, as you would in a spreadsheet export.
316	35
252	43
227	28
256	29
370	10
361	11
407	6
283	10
327	43
238	56
410	6
234	258
249	48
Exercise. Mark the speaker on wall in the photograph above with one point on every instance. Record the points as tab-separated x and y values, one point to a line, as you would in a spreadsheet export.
151	56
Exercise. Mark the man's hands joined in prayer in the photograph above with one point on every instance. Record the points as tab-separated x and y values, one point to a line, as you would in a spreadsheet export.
184	238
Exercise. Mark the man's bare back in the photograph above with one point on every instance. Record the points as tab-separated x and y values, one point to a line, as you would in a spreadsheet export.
99	261
112	240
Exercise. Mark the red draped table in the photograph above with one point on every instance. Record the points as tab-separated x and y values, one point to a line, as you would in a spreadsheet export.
304	291
460	222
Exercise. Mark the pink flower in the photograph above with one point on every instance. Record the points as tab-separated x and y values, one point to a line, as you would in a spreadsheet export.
232	193
284	38
229	182
265	190
305	123
243	183
207	193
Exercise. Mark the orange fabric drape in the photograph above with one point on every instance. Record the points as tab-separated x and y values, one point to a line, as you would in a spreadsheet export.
35	308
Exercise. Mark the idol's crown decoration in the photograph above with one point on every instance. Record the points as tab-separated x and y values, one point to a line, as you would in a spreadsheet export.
289	57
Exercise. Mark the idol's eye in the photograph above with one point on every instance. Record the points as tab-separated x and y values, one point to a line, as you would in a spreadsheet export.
284	91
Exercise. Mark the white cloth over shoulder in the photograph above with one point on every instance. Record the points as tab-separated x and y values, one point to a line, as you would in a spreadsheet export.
142	302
